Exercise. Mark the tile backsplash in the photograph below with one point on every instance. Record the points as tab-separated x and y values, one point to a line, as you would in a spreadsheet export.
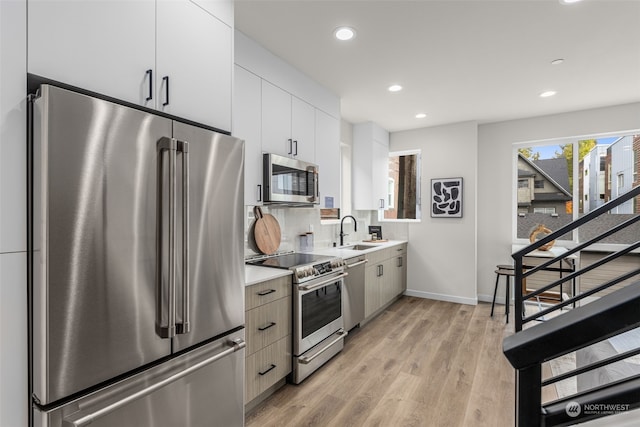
297	221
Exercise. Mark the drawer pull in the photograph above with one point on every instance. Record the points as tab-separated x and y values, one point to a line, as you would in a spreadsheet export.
267	292
272	367
264	328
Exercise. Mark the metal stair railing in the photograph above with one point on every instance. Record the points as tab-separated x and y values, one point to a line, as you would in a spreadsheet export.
522	271
527	350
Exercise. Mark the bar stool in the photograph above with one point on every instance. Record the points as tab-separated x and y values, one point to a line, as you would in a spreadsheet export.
508	272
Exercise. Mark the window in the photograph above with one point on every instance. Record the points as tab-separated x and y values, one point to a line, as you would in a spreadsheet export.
544	210
404	187
538	183
391	193
590	162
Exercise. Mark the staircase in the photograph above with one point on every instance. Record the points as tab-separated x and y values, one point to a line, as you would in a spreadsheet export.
579	326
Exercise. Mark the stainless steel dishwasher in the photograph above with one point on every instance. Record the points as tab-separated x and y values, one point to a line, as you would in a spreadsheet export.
353	298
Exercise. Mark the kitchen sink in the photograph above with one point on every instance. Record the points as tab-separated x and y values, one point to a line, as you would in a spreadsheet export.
360	247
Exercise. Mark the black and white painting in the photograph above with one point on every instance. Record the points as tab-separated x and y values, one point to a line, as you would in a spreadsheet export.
446	198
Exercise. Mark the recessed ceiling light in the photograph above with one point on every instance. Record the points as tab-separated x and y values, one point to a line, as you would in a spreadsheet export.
421	116
547	94
557	61
569	1
395	88
344	33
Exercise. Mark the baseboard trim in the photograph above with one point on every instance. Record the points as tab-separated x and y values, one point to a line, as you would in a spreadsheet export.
441	297
489	298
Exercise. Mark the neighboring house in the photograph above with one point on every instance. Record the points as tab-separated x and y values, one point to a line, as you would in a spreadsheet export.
622	172
592	187
543	186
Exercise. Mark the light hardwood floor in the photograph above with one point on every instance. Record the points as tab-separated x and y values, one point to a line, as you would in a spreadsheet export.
420	363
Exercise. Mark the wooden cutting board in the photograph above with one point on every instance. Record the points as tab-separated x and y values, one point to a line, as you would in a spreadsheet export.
266	232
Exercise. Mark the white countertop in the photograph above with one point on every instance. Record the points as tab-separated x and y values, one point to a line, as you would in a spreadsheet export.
346	252
254	274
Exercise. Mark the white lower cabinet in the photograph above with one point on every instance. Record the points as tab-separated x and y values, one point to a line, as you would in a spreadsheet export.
268	335
385	278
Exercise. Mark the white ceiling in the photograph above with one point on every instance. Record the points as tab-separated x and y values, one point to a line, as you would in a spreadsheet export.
457	60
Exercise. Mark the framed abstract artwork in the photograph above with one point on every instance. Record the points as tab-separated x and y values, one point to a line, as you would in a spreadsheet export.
446	198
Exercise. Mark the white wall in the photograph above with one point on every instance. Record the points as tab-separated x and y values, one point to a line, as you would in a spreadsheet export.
13	246
442	252
495	173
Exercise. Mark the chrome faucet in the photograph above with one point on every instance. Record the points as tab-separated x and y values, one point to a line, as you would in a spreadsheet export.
355	227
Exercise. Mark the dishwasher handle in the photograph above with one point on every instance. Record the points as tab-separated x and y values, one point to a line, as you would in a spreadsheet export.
355	264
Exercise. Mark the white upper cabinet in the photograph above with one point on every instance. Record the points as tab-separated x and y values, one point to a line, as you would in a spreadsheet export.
276	120
129	49
303	120
370	172
328	159
288	124
102	46
246	125
194	56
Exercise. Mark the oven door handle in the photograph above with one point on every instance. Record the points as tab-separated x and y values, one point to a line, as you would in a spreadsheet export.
306	360
324	282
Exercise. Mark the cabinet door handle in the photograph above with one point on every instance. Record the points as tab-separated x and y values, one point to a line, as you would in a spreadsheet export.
264	328
399	261
380	270
267	292
165	79
272	367
150	77
295	142
290	146
259	192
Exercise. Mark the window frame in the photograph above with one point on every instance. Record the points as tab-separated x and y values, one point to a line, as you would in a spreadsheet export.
417	152
575	194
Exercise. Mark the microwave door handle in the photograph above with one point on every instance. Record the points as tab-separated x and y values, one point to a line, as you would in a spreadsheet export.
185	327
316	185
168	145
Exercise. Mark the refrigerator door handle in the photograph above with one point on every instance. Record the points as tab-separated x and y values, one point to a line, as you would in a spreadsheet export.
169	145
184	327
78	420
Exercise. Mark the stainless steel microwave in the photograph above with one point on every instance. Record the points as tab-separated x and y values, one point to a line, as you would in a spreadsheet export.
289	181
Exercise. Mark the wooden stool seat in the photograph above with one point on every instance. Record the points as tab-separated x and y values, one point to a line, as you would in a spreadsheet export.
508	272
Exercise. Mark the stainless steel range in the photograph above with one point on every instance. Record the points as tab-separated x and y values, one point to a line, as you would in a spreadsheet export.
318	326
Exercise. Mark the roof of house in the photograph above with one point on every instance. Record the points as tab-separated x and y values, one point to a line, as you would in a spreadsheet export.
550	197
557	169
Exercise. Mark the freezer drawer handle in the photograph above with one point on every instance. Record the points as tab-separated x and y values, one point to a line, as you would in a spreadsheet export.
78	420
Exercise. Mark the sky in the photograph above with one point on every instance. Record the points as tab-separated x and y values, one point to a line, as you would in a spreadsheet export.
548	151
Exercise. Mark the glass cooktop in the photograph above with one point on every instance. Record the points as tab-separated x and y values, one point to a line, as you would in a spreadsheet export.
289	261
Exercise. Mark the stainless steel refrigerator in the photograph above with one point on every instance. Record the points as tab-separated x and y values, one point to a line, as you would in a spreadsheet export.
138	273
